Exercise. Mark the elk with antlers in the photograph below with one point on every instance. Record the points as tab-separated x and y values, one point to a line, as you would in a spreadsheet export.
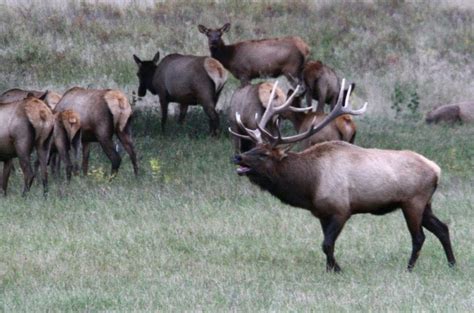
335	180
251	59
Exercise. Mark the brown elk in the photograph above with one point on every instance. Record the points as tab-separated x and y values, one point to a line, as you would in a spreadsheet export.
335	180
16	94
249	102
185	79
322	85
25	125
251	59
103	113
341	128
458	112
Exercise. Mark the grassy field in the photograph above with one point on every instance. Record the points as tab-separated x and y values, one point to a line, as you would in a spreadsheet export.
190	235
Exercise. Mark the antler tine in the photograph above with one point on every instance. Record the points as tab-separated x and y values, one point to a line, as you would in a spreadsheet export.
271	110
255	135
338	110
238	135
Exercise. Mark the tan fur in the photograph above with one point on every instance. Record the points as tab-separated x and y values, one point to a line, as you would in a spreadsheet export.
346	126
302	46
40	116
119	107
216	72
264	91
71	122
52	98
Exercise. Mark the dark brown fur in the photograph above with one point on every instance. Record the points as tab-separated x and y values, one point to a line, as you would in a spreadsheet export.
185	79
322	84
103	113
251	59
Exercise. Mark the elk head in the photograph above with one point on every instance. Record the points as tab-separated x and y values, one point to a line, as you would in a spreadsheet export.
263	161
214	35
146	70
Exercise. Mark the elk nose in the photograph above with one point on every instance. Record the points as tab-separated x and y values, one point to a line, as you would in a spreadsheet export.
237	159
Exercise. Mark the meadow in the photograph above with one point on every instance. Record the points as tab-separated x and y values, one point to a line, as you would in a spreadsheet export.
188	234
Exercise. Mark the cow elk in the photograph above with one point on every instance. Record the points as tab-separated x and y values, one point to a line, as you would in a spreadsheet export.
322	85
335	180
250	101
341	128
25	125
16	94
185	79
451	113
251	59
102	113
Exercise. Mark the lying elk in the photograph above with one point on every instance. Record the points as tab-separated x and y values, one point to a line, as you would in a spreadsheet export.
450	113
25	125
335	180
341	128
251	59
250	101
16	94
322	85
185	79
103	113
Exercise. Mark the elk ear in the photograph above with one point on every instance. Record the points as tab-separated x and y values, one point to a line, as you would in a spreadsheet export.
225	28
283	151
43	96
137	60
202	29
156	58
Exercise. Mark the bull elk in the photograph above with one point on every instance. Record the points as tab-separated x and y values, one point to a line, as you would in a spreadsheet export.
251	59
341	128
322	85
450	113
25	125
16	94
248	102
103	113
335	180
185	79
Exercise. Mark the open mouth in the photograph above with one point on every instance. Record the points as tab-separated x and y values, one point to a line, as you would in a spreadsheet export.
242	170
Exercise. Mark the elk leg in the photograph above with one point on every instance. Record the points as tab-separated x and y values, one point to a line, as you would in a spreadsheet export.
440	230
7	166
43	164
108	146
213	118
164	113
413	220
321	101
125	138
183	109
64	156
332	227
85	157
309	99
27	173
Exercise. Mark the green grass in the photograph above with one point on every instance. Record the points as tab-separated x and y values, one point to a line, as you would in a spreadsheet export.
190	235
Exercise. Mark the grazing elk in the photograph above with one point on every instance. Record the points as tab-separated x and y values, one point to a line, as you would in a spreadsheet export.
25	125
341	128
450	113
103	113
335	180
251	59
322	85
250	101
15	94
185	79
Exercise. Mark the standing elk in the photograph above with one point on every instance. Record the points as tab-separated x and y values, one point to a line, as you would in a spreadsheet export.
25	125
335	180
185	79
322	85
251	59
103	113
451	113
341	128
250	102
16	94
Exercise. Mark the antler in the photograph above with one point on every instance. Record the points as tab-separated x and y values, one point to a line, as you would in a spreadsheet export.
338	110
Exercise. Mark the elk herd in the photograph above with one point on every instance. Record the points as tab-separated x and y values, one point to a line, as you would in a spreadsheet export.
331	177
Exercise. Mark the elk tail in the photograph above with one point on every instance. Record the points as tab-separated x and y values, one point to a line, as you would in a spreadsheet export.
216	72
40	117
71	122
302	46
346	127
119	107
